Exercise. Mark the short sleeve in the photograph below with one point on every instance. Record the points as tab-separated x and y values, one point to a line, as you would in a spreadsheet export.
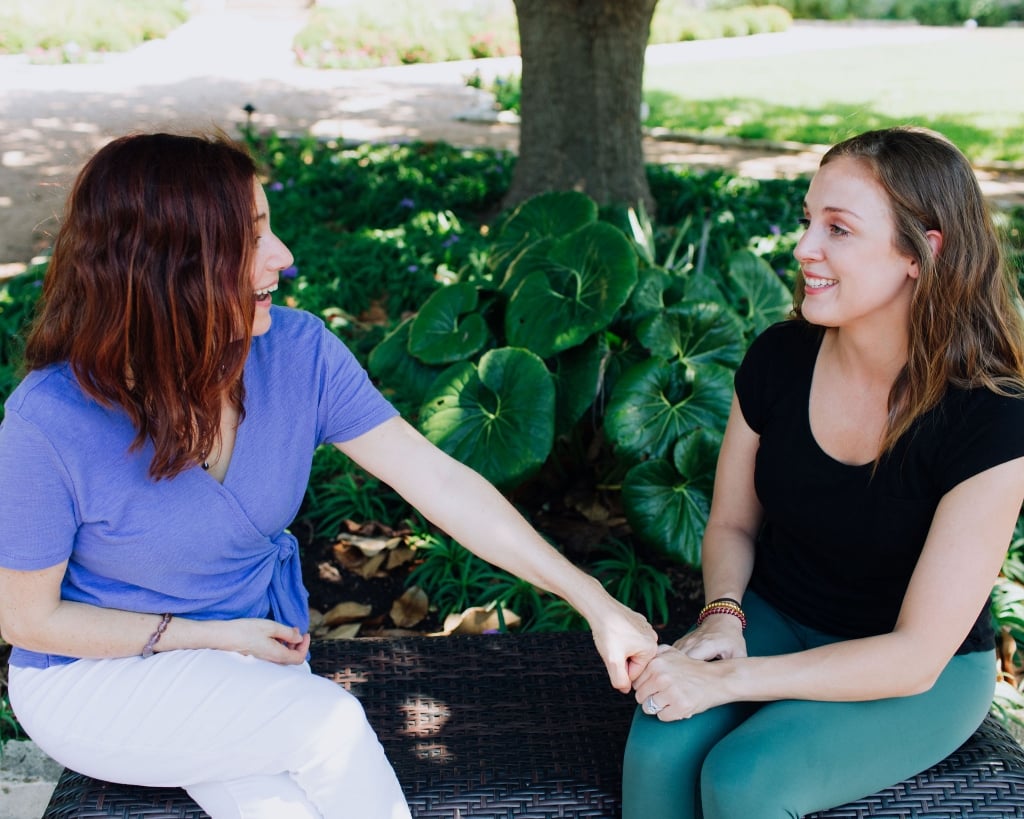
984	430
38	518
750	380
350	403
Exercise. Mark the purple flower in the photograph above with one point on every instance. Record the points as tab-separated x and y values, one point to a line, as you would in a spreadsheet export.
275	186
407	203
775	230
290	272
451	240
413	268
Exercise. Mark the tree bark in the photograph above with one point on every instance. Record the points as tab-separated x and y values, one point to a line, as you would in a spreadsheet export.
582	91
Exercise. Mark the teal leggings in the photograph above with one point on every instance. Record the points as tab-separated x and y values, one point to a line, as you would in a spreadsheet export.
788	758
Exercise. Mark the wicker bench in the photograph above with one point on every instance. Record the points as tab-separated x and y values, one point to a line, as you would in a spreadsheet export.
527	726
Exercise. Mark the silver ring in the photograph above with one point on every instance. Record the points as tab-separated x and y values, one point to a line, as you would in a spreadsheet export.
651	707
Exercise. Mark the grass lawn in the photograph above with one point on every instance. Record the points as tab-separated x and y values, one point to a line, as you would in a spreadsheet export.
969	87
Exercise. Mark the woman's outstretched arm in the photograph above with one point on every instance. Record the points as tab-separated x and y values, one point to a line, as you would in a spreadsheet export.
467	507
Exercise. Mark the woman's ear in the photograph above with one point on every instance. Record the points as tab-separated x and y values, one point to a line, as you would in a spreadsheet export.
934	238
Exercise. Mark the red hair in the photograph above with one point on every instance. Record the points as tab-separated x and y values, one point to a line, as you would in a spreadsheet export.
148	295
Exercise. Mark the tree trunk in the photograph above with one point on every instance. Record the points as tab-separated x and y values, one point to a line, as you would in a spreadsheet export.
582	90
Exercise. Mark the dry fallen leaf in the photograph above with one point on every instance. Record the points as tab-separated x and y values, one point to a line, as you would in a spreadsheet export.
328	572
372	566
369	546
316	619
410	608
348	556
345	632
346	613
479	620
399	557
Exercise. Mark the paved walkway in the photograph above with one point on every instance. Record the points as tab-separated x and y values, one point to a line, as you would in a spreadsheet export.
204	73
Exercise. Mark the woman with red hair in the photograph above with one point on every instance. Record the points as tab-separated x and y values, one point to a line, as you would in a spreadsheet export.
150	463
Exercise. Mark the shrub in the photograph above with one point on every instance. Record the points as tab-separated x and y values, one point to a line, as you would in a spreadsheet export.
362	34
675	22
73	30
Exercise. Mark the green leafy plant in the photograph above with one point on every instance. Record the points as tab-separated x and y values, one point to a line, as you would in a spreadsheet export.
18	298
339	490
454	579
10	728
572	317
452	576
632	581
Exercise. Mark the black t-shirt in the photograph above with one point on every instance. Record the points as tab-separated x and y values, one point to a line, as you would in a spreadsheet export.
838	545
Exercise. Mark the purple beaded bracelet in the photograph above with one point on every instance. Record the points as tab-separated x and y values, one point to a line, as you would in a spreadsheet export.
155	636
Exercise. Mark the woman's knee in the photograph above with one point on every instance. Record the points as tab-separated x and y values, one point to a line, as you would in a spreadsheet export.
330	715
739	781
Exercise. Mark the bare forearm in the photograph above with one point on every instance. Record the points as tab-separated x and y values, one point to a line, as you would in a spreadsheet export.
727	560
869	668
479	517
84	631
80	630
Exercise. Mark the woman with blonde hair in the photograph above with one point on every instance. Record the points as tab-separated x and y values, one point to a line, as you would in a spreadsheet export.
869	481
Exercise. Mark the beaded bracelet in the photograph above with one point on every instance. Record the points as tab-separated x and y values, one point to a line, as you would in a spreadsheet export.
723	605
154	638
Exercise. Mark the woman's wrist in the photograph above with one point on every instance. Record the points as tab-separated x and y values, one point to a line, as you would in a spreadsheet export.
728	606
592	600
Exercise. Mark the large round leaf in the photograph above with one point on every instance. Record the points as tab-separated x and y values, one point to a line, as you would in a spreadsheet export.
648	296
667	504
764	299
656	402
589	275
397	370
498	417
547	215
702	287
578	379
534	257
696	332
439	334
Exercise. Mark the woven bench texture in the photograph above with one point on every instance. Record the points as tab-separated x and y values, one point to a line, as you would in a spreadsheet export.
526	726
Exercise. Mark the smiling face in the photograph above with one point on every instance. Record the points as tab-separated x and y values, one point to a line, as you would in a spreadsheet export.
272	256
853	275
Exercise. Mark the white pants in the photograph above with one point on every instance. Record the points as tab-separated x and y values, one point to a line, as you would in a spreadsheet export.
246	738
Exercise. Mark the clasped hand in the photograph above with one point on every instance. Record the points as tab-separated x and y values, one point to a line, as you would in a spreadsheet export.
683	679
267	640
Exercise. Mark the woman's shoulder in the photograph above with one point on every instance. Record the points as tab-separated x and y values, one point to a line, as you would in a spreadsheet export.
983	405
787	340
297	335
52	389
291	323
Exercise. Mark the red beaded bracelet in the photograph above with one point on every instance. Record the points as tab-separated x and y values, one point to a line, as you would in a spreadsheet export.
723	605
